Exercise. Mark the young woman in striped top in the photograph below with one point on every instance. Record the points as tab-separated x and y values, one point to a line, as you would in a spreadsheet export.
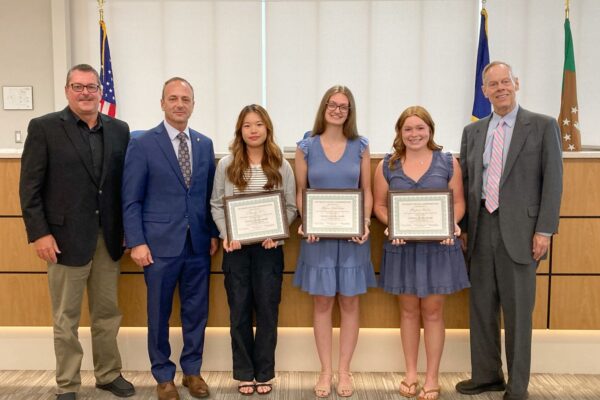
253	273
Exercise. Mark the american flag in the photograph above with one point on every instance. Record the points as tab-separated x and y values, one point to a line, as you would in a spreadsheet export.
108	104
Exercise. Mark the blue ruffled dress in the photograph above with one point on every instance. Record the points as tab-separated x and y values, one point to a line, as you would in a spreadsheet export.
332	266
422	268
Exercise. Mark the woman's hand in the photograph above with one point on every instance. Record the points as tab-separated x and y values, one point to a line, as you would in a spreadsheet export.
450	241
231	246
364	237
395	242
269	244
309	238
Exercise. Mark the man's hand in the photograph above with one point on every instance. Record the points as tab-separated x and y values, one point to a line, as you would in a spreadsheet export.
463	239
214	246
141	255
46	248
540	246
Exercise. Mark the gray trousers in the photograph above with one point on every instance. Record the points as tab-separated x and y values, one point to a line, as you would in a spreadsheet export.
498	283
67	284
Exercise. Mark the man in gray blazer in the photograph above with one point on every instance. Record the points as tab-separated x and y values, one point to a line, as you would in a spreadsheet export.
512	171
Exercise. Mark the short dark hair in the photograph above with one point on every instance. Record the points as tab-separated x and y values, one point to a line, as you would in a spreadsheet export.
176	79
82	68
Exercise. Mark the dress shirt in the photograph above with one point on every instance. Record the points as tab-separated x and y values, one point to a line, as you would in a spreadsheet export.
94	138
509	125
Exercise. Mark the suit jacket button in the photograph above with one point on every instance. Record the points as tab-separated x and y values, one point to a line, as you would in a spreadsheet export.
97	211
100	191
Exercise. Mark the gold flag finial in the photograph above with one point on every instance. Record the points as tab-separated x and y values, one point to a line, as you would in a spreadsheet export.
483	4
101	9
567	9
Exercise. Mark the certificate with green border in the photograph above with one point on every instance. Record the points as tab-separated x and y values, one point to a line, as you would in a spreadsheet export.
254	217
421	215
333	213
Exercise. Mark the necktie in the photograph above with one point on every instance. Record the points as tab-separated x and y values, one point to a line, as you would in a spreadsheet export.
492	187
183	156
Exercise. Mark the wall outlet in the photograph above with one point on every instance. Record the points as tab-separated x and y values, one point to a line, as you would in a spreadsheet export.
18	137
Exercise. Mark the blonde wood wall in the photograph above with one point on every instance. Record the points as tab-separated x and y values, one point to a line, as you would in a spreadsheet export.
568	291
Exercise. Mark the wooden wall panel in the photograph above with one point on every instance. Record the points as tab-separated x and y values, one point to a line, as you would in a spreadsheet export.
24	300
540	312
581	187
15	253
544	266
10	169
24	297
575	302
576	249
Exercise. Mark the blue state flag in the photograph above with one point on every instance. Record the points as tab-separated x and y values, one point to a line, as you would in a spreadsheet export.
481	106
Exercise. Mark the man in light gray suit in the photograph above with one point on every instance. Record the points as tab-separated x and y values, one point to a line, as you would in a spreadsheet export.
512	170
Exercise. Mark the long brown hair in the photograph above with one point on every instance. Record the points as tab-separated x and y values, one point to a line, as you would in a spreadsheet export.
399	147
349	128
272	156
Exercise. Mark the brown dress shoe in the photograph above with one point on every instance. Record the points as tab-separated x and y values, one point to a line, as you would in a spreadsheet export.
167	391
196	385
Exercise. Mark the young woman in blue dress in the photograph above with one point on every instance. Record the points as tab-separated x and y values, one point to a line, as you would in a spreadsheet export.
334	156
253	272
420	273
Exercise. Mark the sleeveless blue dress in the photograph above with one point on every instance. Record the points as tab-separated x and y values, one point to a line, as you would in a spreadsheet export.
332	266
422	268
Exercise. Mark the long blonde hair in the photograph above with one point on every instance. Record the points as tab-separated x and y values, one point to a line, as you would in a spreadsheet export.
399	147
272	158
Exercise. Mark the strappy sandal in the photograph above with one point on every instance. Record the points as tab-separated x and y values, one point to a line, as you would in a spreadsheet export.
268	386
425	392
244	386
409	393
346	390
322	391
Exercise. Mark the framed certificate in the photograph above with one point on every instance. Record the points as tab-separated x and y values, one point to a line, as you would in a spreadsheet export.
420	214
333	213
254	217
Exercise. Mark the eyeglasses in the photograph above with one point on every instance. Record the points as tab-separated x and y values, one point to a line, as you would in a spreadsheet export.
91	88
343	108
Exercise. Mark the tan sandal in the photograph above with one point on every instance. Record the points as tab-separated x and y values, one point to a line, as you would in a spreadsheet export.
346	390
410	393
322	391
426	392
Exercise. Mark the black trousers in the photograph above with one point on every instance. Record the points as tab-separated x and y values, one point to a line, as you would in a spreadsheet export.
253	277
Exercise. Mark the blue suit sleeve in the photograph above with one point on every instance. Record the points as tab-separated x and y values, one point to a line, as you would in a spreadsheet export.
133	191
214	231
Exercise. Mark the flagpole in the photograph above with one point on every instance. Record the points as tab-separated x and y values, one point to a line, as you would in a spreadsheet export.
101	9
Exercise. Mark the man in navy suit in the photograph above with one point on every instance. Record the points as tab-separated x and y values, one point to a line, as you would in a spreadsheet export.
167	182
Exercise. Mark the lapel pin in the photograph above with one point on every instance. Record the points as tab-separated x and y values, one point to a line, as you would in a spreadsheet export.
197	139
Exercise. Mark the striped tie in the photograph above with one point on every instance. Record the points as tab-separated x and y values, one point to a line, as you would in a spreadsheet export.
492	187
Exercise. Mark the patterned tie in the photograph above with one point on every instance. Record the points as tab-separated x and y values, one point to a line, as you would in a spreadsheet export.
183	156
492	187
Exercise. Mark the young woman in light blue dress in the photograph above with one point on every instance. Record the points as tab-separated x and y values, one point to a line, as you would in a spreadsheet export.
334	156
420	273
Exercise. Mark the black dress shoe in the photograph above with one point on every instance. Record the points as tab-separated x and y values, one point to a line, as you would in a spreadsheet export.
471	387
119	387
66	396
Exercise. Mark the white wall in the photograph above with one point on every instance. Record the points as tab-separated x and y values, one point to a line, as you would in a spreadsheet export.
392	54
25	60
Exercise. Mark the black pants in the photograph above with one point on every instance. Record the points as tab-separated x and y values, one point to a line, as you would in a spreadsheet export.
253	278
